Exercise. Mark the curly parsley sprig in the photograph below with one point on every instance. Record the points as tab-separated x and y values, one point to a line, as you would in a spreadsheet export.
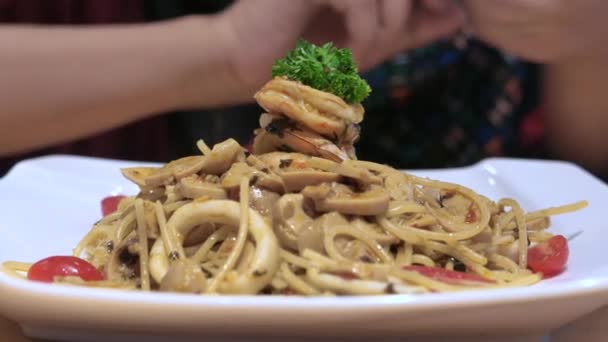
325	68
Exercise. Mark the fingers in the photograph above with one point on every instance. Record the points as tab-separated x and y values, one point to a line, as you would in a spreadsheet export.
405	27
437	5
378	29
394	15
362	23
429	26
392	32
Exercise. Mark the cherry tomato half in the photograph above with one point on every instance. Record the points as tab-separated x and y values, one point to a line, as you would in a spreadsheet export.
549	257
47	269
110	204
447	276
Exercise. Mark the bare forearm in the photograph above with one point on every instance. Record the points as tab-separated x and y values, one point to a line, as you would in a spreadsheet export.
577	111
63	83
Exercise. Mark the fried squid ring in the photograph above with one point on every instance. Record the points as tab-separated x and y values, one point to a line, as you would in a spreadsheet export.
266	258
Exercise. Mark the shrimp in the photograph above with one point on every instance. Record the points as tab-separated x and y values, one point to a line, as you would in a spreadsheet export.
321	112
278	133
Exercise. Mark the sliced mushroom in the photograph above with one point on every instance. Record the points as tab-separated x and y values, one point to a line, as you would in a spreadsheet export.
346	169
195	187
291	167
289	219
263	201
152	194
280	161
232	178
295	181
310	236
339	197
222	156
176	169
138	175
269	181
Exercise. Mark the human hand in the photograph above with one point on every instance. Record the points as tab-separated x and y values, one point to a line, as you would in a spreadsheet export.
261	31
546	31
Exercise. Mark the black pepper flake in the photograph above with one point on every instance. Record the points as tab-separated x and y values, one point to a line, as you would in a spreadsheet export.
273	128
366	258
266	290
369	219
394	248
308	206
265	170
278	127
284	148
207	273
335	137
390	289
126	258
259	273
444	197
299	271
173	256
285	163
458	265
234	194
355	185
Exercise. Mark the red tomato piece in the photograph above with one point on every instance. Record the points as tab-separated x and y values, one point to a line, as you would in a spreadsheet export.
447	276
471	216
549	257
110	204
47	269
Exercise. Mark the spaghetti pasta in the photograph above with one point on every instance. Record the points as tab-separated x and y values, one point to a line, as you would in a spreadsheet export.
309	223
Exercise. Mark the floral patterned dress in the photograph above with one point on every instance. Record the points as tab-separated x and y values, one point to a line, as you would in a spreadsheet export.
451	104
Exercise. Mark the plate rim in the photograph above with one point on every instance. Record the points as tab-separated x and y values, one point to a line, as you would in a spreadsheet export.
596	287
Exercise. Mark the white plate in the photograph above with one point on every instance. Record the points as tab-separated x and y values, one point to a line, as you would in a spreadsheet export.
48	204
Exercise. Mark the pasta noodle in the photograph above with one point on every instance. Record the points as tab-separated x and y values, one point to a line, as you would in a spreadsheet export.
313	223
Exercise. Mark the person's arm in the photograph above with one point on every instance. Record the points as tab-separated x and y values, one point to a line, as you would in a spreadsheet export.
62	83
569	38
577	111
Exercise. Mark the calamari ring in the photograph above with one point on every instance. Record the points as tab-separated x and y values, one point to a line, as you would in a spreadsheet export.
266	258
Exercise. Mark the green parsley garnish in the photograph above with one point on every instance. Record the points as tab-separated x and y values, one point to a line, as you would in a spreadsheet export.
325	68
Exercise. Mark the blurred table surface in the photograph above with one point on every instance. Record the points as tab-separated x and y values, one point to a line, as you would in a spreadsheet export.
590	328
